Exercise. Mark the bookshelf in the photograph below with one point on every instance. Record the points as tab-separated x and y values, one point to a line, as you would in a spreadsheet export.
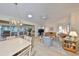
72	46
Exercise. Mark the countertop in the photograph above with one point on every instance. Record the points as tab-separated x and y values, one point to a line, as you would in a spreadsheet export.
10	47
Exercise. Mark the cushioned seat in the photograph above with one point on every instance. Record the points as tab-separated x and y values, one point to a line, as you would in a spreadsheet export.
47	41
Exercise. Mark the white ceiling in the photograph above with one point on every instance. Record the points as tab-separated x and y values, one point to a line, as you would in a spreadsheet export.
53	11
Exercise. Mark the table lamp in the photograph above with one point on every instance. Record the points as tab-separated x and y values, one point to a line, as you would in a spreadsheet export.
73	35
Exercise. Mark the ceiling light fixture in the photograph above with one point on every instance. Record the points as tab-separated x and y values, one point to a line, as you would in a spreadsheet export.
15	21
44	17
30	16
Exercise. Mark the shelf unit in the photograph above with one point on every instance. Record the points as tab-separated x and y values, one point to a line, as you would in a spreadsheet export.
72	46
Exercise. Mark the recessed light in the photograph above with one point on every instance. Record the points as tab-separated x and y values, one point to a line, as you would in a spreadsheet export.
44	17
29	16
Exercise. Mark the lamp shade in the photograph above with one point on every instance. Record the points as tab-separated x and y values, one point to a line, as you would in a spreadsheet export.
73	33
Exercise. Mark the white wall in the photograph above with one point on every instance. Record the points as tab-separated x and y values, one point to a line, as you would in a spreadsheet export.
75	22
63	21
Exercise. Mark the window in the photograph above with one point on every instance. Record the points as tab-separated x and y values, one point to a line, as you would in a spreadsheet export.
64	29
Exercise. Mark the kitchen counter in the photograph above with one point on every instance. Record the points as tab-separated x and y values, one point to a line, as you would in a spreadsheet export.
11	47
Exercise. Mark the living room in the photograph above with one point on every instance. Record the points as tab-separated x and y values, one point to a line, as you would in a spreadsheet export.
39	29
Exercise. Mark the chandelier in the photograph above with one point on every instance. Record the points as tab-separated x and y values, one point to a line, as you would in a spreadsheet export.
15	21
